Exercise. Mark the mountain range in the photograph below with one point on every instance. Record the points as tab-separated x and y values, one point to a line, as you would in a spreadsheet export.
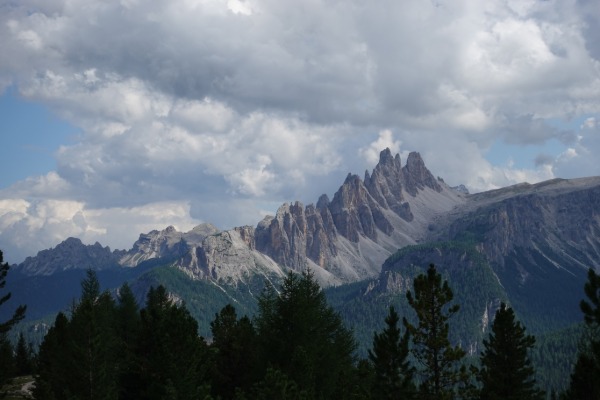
342	240
528	245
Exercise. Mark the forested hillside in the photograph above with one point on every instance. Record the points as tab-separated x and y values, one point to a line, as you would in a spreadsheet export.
296	346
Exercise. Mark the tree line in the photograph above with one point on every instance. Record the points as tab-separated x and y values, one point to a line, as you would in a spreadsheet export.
296	347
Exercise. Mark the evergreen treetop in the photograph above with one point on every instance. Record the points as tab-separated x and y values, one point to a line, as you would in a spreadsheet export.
506	370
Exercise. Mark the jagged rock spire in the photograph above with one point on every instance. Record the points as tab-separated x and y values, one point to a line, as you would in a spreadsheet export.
417	176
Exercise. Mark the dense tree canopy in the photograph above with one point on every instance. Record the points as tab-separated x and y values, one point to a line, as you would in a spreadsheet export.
111	351
301	336
295	347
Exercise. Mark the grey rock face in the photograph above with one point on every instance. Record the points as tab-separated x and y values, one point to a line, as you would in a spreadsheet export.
228	257
167	243
284	239
351	212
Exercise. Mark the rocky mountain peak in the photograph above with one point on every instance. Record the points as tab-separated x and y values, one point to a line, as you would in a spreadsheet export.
388	166
169	229
417	176
165	243
386	157
388	161
199	232
386	183
69	254
323	202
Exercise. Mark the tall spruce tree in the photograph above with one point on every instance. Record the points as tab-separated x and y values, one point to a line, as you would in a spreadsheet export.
170	351
55	362
585	378
23	357
393	372
94	343
128	326
236	356
439	360
506	371
303	338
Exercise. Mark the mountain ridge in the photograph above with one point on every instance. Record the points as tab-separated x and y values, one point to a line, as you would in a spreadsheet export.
342	240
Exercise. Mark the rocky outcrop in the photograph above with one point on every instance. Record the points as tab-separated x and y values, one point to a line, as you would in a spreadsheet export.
321	235
284	237
228	257
167	243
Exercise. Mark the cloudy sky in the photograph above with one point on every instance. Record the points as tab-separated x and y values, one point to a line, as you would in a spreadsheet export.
118	117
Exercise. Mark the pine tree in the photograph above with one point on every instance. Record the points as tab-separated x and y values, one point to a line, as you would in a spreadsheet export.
506	370
128	325
393	372
94	342
55	362
235	363
23	357
303	338
170	351
439	360
585	379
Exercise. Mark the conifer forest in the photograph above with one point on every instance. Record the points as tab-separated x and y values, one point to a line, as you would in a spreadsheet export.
107	346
